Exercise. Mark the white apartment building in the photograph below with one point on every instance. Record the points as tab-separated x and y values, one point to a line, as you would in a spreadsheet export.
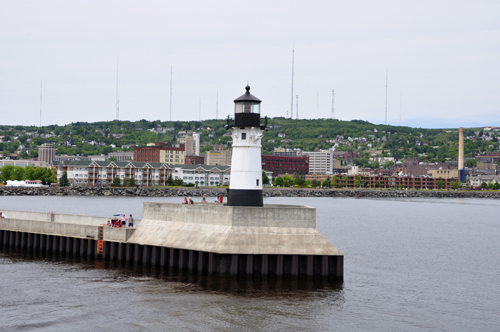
203	175
102	173
321	161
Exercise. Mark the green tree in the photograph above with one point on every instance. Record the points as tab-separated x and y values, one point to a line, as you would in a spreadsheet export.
29	172
334	181
265	178
131	182
454	185
278	181
471	163
315	183
63	181
170	180
377	184
400	186
18	173
357	183
6	172
116	182
326	182
388	164
298	180
375	164
484	185
439	184
287	180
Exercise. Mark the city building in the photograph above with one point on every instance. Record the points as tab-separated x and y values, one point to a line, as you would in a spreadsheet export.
416	168
160	153
121	156
444	173
194	160
286	164
47	152
322	161
65	157
23	163
284	152
489	157
218	156
476	181
192	143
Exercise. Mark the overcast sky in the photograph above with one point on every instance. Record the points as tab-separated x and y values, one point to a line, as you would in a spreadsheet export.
442	59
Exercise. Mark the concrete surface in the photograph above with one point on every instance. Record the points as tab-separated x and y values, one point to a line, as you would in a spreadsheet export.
272	229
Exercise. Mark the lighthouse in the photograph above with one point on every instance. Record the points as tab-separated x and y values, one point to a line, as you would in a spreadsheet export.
245	187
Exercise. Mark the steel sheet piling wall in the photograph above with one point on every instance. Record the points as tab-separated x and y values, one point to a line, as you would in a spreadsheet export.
196	262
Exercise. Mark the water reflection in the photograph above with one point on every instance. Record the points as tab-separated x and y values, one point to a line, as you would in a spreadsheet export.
182	281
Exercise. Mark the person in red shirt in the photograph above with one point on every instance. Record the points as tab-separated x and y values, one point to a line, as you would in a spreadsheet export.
221	199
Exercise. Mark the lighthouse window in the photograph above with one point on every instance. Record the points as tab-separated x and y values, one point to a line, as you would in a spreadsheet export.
243	136
257	182
247	108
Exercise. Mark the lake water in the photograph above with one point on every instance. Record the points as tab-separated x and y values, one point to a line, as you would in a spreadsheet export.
410	265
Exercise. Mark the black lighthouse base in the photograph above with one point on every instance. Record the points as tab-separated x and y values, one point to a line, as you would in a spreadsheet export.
243	197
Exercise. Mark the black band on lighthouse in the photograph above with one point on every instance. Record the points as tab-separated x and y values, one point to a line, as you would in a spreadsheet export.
245	197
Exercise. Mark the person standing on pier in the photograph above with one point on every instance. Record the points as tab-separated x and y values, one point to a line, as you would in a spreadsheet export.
130	222
124	221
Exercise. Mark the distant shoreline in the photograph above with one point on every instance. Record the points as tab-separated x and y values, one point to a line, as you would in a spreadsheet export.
268	192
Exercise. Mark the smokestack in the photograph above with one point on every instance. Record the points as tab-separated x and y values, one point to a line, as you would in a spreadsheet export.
461	148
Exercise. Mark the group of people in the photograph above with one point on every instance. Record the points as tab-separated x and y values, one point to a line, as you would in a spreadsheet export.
218	199
121	222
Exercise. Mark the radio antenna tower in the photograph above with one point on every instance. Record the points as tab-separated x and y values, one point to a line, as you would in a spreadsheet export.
217	106
386	81
170	93
333	104
317	105
199	111
117	101
297	108
293	58
40	103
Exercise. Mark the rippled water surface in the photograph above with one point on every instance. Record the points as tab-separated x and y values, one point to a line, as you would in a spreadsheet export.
419	264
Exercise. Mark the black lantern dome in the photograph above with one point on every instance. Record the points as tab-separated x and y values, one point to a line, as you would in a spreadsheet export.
247	110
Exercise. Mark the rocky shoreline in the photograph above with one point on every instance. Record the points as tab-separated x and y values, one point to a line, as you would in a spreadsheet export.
268	192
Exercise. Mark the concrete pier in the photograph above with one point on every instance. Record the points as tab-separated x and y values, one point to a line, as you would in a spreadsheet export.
207	239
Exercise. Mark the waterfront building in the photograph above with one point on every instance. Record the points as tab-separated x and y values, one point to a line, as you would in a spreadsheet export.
202	175
476	181
102	173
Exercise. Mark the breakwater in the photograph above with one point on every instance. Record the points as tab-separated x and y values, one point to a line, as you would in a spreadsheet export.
268	192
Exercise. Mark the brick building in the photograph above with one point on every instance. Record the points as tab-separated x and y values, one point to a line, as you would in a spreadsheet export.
194	160
160	153
285	164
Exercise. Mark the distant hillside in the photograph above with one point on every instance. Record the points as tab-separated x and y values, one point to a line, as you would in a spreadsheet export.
361	136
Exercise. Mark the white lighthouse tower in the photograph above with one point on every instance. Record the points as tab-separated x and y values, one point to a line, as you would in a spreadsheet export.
245	187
